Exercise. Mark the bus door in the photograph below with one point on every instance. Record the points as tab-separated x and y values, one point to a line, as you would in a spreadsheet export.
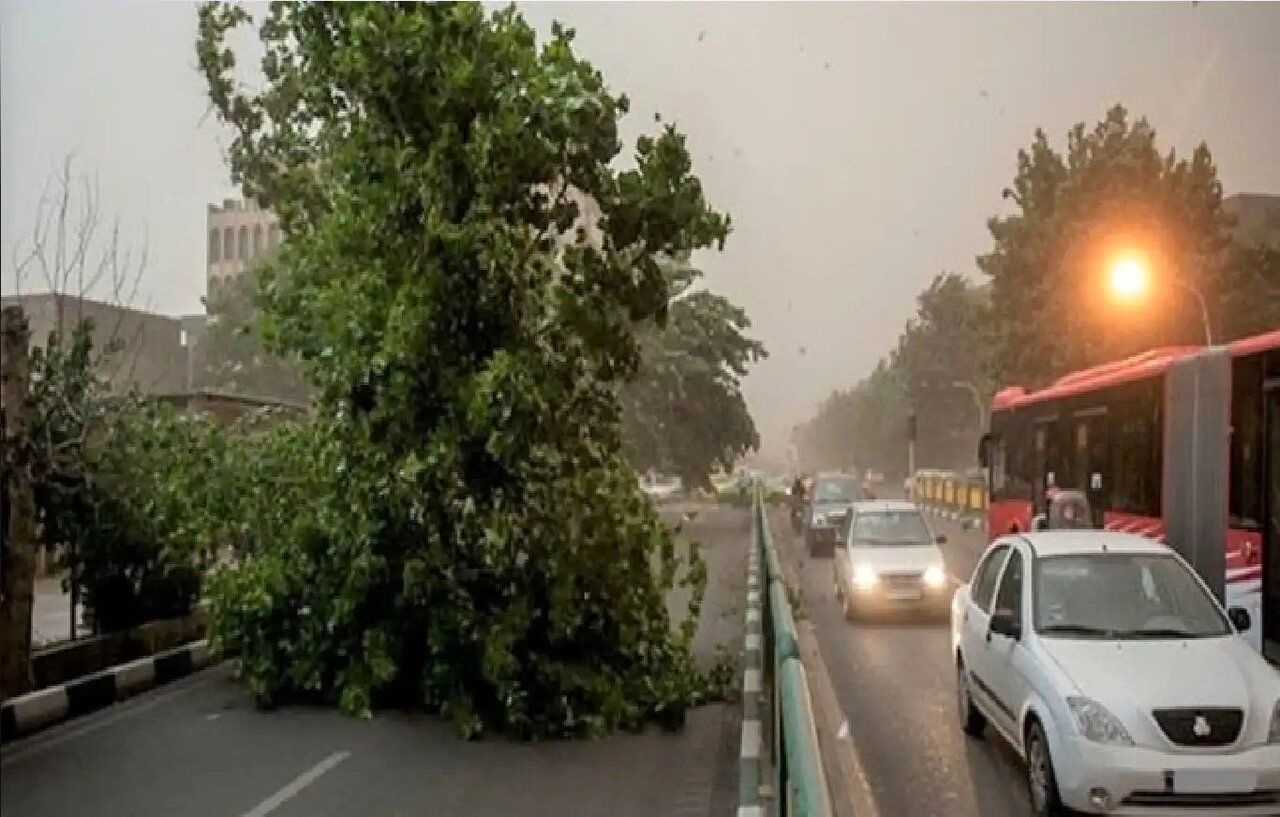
1270	607
1045	463
1091	459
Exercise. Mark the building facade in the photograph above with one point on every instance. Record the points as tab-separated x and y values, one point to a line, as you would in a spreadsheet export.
151	354
1257	218
239	233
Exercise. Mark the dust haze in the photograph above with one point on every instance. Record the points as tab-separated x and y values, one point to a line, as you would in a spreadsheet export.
858	147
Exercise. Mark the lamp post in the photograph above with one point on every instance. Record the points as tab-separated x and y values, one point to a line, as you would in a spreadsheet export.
1204	309
978	402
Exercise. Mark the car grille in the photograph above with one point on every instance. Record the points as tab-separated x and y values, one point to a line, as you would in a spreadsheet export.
1180	725
1169	800
901	582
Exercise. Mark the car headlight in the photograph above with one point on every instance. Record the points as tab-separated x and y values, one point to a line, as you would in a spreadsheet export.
935	577
1097	723
1273	734
865	577
819	518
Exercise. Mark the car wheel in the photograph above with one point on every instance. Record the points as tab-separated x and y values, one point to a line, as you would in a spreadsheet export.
972	721
1042	785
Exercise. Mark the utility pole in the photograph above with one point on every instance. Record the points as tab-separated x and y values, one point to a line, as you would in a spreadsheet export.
911	444
18	557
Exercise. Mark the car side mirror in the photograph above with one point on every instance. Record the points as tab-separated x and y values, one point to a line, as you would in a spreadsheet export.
984	451
941	538
1005	622
1239	618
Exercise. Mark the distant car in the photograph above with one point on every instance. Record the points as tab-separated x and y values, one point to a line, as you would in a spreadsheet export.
890	561
663	489
829	503
1113	671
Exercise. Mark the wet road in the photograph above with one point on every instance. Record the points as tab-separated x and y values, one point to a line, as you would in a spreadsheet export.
895	683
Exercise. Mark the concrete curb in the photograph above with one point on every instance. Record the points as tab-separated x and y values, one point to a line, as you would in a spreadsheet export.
34	711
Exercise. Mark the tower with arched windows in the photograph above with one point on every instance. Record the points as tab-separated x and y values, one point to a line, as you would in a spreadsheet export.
240	232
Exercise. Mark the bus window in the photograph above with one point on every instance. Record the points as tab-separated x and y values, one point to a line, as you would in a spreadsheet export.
1092	460
1135	451
998	451
1245	496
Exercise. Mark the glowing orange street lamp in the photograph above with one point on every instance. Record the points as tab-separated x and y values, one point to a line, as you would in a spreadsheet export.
1129	278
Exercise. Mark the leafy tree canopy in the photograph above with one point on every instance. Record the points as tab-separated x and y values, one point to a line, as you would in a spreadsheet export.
232	355
1111	192
683	412
472	536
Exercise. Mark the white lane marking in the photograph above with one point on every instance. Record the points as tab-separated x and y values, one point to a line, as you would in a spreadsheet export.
125	710
296	785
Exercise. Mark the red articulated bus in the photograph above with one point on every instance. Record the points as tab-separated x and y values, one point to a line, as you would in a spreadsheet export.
1180	444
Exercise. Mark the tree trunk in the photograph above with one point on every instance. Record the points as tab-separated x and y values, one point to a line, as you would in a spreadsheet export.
18	554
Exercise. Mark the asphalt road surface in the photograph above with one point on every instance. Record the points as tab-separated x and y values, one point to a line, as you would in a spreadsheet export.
895	682
198	748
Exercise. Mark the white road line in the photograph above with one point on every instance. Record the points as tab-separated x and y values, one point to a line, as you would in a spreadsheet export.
296	785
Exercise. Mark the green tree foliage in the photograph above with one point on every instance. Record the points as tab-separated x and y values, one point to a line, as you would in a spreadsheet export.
942	357
232	353
133	497
1111	191
683	412
466	531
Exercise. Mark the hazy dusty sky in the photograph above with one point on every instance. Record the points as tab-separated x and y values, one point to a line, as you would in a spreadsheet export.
858	147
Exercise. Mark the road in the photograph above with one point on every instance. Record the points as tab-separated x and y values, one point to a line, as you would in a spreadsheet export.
198	748
895	683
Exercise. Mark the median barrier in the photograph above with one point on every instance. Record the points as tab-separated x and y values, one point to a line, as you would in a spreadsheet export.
779	715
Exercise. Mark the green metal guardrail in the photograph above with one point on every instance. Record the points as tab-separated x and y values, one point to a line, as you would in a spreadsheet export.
799	782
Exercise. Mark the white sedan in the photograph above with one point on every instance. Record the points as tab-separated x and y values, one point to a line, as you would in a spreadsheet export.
889	560
1112	670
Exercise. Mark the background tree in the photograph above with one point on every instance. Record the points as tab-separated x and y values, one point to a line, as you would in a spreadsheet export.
937	370
942	357
232	353
683	411
1110	192
474	538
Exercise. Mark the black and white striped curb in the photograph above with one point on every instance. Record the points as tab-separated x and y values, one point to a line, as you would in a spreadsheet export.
752	692
44	707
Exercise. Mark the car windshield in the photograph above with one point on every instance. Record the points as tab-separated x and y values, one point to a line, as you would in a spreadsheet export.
836	490
1122	596
889	528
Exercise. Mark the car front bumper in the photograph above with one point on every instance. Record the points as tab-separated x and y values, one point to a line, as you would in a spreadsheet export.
1146	781
880	598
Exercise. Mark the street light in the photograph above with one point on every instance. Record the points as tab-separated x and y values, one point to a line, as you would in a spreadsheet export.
1130	278
978	402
